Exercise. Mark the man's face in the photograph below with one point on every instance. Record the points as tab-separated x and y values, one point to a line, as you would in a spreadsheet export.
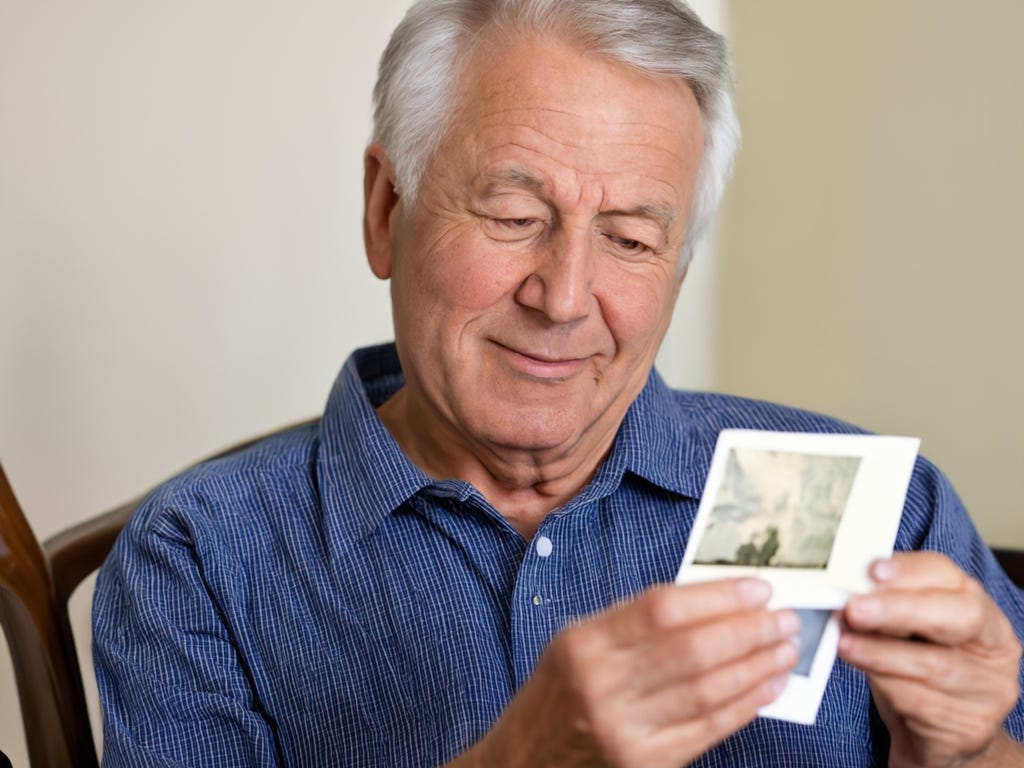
535	275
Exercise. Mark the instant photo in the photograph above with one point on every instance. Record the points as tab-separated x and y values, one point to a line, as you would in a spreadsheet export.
807	513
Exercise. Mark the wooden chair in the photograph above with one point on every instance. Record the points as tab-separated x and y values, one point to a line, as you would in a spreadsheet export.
36	582
1012	561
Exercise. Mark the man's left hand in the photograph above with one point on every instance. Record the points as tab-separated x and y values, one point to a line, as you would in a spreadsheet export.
942	661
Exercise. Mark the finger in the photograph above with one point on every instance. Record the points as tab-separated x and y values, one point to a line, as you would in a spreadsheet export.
917	570
946	726
766	670
672	657
950	617
673	606
694	737
607	693
940	703
938	667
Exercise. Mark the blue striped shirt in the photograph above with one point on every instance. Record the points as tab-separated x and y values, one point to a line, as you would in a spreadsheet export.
318	601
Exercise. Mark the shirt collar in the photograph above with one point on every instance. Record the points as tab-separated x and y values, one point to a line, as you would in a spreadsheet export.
364	475
362	472
657	442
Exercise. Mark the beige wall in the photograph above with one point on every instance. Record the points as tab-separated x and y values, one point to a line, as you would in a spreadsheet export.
871	260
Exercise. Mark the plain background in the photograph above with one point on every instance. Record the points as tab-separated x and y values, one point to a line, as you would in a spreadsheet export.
180	202
871	260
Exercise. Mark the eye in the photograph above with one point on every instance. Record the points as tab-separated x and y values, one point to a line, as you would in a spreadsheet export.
627	245
512	228
514	223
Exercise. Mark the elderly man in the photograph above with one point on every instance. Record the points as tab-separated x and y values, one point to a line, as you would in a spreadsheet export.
467	560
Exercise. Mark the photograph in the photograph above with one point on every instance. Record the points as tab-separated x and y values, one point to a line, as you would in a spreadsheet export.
812	629
807	513
777	509
801	698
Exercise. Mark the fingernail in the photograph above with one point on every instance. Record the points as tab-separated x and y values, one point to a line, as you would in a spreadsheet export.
884	570
789	622
755	591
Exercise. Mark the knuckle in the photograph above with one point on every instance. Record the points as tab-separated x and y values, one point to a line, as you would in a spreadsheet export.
660	605
725	720
700	698
925	707
1010	695
970	585
977	735
689	647
1007	703
616	740
978	618
976	597
769	628
962	582
575	648
936	663
718	721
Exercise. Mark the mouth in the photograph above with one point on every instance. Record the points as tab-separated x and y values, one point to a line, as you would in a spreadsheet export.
542	365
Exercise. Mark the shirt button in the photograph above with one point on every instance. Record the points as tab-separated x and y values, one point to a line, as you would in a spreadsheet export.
537	600
544	546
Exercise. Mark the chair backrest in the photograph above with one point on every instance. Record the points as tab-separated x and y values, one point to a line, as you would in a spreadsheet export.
36	582
1012	561
39	636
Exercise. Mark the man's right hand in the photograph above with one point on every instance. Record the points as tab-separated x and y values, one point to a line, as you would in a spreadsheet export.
653	682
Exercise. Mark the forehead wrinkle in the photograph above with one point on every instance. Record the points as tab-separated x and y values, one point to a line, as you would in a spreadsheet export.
552	146
513	177
627	133
662	216
573	137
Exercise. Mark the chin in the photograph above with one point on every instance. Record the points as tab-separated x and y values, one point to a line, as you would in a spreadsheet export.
543	431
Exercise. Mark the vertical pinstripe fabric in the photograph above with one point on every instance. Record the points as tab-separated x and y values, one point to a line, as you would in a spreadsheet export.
318	601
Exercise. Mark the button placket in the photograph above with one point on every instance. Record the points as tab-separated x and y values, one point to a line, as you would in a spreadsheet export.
539	607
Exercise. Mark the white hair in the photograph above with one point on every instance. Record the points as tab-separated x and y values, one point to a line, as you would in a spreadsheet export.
415	92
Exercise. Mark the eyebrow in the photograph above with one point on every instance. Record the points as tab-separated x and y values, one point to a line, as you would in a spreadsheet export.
661	215
515	177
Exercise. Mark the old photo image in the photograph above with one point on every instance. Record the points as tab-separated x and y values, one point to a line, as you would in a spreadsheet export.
777	509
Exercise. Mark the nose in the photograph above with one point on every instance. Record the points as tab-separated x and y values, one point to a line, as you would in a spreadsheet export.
561	284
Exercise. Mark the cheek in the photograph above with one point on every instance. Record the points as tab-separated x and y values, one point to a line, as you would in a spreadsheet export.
638	310
458	272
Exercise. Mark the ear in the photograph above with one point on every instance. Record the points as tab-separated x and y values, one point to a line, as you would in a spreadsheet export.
380	199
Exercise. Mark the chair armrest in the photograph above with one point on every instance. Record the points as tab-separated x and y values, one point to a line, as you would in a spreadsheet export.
76	552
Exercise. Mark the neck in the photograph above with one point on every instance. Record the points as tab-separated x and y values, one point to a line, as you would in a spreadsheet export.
523	484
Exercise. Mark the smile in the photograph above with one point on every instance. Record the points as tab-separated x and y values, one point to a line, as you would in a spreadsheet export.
542	366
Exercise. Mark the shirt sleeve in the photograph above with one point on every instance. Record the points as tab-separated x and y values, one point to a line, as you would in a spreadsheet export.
935	519
173	688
